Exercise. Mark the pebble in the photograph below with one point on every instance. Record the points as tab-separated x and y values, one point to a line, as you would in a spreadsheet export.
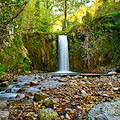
67	116
62	80
83	93
79	107
62	116
116	89
111	73
85	77
105	95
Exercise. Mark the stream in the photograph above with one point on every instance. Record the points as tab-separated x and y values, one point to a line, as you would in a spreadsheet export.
24	85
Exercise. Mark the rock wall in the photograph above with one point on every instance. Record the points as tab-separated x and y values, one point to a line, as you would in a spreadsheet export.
43	51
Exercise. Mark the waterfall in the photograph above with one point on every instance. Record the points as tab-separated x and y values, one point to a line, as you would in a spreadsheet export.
63	57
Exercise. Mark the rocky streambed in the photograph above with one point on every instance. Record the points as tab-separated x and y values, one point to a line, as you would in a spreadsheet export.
48	96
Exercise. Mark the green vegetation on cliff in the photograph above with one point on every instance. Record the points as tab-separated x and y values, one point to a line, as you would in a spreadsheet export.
29	32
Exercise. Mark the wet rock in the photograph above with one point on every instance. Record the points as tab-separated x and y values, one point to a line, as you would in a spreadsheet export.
48	103
83	93
20	96
4	115
112	73
118	76
22	90
62	116
62	80
101	117
15	79
3	84
55	100
110	84
79	107
105	111
47	114
85	78
67	116
40	96
3	104
114	77
82	82
2	79
34	82
105	95
68	77
89	83
116	89
72	83
8	90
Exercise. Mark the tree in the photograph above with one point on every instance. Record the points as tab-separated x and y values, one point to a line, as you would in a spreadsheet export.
7	8
65	16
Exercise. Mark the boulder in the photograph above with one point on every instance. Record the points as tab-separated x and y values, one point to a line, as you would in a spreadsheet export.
48	103
47	114
3	104
34	82
4	115
40	96
105	111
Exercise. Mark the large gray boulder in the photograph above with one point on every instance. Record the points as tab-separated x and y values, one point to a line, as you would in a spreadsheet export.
47	114
105	111
4	115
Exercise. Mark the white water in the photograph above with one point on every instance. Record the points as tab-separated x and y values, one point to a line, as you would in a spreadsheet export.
63	54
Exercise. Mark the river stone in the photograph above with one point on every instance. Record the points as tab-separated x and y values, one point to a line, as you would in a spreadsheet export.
55	100
48	103
40	96
62	80
3	84
3	104
110	111
67	116
83	93
4	115
47	114
34	82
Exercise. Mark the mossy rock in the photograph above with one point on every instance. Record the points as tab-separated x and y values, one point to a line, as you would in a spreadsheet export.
48	103
5	83
47	114
40	96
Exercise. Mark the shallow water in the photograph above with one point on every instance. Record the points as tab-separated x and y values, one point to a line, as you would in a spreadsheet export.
45	82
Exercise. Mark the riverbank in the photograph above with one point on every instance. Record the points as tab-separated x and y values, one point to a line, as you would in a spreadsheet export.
70	97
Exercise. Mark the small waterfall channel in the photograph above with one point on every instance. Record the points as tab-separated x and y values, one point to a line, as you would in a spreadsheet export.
63	56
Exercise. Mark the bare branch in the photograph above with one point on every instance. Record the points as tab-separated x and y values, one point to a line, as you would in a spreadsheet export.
28	29
17	13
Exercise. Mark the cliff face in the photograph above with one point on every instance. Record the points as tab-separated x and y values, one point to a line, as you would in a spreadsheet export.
97	46
42	48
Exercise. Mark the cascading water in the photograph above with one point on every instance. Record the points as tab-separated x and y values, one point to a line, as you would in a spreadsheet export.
63	54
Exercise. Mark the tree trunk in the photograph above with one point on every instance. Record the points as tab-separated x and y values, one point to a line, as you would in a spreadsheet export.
65	16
